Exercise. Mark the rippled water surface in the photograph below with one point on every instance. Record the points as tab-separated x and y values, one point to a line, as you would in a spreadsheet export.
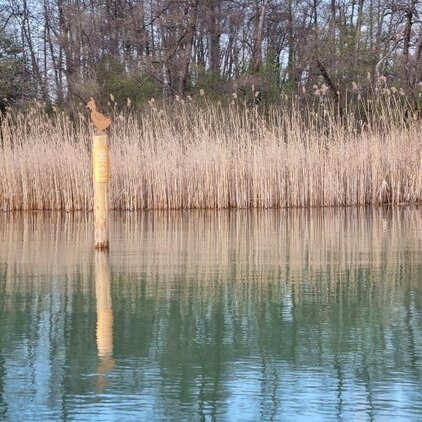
237	316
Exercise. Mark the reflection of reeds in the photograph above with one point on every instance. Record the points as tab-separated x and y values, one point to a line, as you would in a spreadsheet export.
41	244
213	158
255	247
196	292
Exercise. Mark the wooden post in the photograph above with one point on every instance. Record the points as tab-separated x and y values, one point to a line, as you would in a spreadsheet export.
101	175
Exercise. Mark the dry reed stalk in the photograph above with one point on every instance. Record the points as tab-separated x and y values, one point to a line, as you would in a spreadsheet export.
189	157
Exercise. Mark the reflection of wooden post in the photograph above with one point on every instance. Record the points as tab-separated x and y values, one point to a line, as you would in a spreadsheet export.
101	174
104	317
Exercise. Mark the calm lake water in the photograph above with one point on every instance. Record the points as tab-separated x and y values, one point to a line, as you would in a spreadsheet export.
231	316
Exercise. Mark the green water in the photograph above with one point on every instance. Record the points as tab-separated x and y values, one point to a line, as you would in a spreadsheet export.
231	316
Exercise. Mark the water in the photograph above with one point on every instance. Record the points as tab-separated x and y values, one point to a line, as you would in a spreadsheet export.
237	316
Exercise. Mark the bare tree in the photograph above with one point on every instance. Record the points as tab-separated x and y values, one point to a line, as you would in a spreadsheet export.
67	43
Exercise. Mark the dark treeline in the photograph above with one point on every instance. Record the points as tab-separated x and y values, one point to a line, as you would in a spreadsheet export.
260	50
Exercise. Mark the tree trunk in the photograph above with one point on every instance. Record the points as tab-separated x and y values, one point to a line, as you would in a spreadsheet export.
259	35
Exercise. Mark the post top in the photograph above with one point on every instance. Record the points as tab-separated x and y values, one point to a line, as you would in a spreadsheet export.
100	121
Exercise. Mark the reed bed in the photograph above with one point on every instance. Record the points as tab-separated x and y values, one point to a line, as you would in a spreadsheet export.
196	156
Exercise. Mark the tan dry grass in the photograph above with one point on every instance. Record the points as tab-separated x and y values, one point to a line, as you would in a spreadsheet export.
197	157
